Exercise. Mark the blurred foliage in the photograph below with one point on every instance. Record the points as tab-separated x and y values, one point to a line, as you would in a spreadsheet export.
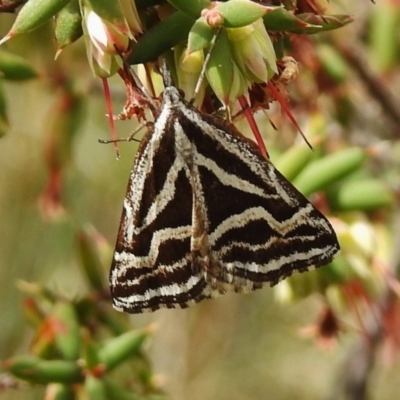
60	197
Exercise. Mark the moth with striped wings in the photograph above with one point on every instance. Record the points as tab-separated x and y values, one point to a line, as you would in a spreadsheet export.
205	214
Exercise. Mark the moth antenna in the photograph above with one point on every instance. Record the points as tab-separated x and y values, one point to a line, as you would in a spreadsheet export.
204	68
166	74
108	141
131	137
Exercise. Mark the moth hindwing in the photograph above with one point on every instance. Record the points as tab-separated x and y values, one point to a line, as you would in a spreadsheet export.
205	213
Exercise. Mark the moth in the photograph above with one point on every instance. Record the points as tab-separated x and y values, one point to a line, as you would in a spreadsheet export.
205	214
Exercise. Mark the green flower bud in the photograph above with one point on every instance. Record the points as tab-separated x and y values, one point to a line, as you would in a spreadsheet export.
188	68
223	74
108	29
102	63
253	51
106	37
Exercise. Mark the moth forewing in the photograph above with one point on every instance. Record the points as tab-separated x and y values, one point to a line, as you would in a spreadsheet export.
205	214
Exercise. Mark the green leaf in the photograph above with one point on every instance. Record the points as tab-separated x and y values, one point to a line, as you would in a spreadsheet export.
329	169
283	20
161	38
37	370
118	349
68	24
365	195
323	22
33	14
15	68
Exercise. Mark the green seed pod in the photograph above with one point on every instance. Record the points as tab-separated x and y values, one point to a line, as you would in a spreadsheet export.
116	350
68	25
294	160
329	169
362	195
15	68
33	14
67	336
37	370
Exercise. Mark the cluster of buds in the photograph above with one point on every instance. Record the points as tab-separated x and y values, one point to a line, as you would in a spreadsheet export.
243	53
233	34
109	31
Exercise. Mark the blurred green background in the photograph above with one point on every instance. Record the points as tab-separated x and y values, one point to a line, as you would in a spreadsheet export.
238	347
